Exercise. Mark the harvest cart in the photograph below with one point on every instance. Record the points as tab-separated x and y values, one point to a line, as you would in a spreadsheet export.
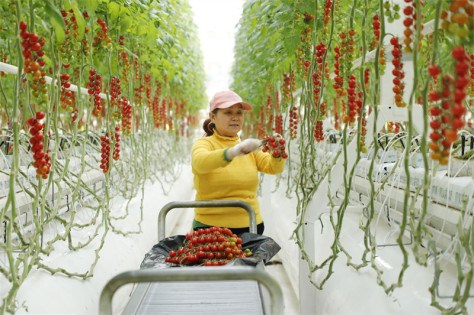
230	289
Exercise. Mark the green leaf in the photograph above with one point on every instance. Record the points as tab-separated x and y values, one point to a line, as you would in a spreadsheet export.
291	43
114	10
66	5
56	20
81	23
141	29
90	6
125	22
151	37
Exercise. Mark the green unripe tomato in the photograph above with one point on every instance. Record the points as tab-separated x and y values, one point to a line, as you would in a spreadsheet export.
396	7
453	27
386	5
396	16
462	31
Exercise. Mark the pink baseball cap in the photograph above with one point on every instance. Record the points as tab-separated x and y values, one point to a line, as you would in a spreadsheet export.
226	99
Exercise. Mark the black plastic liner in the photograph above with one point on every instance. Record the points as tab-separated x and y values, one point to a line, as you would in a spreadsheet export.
263	248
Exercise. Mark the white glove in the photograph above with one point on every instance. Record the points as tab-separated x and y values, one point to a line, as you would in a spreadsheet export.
245	147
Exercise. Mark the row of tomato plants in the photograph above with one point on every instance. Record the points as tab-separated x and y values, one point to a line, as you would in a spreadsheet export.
297	63
140	68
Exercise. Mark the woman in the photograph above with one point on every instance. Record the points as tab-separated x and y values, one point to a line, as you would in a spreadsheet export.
225	168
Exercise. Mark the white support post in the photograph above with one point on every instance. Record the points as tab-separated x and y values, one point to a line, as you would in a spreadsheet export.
14	70
319	204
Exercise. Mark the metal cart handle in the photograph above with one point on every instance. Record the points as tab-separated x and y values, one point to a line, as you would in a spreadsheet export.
192	274
205	204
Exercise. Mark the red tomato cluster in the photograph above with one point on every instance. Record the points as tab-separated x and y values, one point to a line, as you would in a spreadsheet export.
398	73
115	92
126	116
338	79
327	12
170	117
33	53
66	95
41	157
278	124
459	21
352	102
116	154
288	86
376	26
138	95
4	59
350	42
268	112
155	106
307	17
213	246
121	39
320	50
95	87
137	69
461	82
148	89
393	127
294	121
125	66
409	12
105	143
318	131
447	119
163	117
101	37
410	24
306	67
70	45
323	109
366	78
304	49
275	145
363	130
268	106
471	93
85	45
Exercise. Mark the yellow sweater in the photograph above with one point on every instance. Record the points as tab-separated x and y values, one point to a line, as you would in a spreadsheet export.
217	179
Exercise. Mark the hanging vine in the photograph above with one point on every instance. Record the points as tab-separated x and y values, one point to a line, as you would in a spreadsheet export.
69	153
269	44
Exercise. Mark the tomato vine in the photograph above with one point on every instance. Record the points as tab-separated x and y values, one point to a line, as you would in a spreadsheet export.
275	36
127	55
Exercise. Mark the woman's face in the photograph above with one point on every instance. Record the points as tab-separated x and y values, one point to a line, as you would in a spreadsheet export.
228	121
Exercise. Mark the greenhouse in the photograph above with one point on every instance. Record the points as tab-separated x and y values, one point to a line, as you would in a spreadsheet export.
236	156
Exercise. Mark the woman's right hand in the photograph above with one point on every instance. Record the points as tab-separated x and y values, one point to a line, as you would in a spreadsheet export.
243	148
